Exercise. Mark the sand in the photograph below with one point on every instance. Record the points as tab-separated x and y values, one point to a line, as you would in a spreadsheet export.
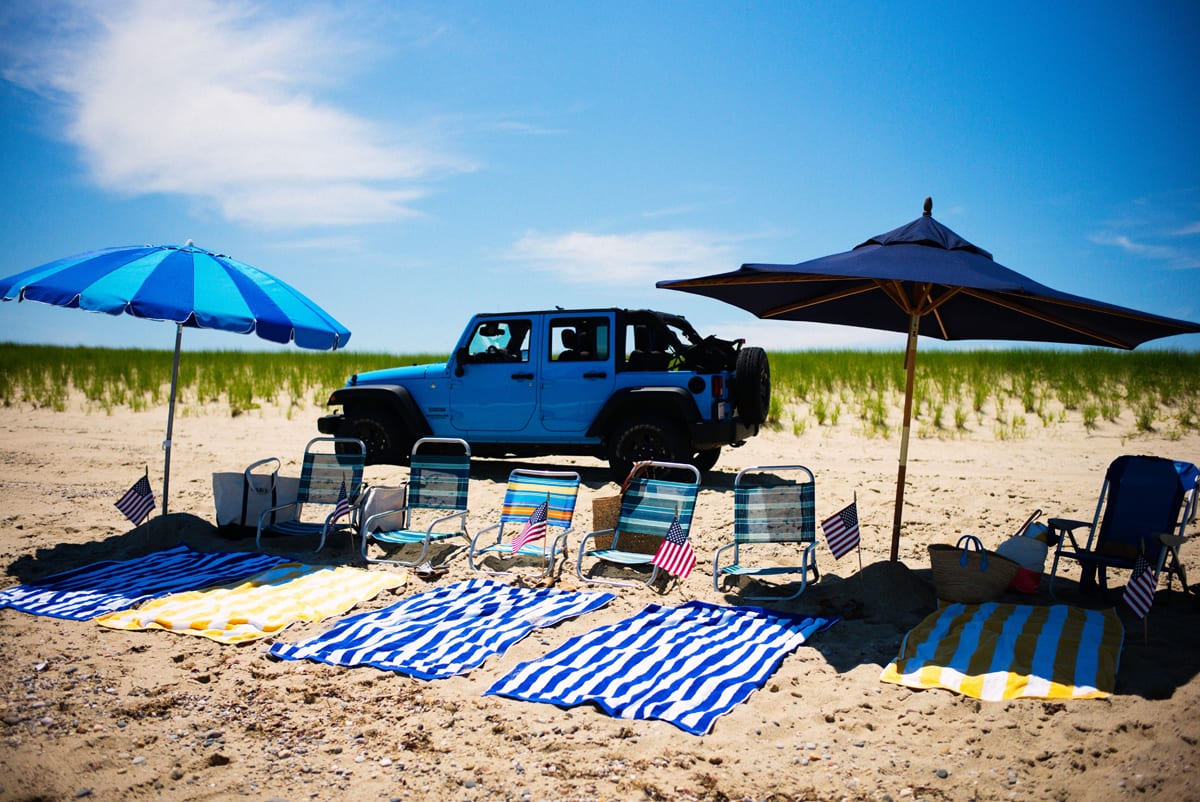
89	712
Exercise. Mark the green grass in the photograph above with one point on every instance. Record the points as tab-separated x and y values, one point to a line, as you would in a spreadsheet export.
997	390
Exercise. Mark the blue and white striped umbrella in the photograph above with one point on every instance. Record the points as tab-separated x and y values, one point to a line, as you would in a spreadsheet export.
187	286
182	284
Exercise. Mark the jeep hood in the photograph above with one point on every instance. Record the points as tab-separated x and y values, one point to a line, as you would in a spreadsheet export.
398	375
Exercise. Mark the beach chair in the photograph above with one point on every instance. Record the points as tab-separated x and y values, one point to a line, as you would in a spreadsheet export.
1145	506
649	505
431	506
527	490
772	505
331	466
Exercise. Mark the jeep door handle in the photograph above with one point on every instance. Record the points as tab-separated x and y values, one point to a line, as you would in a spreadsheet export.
522	376
595	374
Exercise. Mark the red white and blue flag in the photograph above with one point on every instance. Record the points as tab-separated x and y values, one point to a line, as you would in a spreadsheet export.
137	501
841	530
675	554
534	529
343	504
1139	593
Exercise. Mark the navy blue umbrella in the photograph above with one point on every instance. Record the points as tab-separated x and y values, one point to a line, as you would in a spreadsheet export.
924	279
184	285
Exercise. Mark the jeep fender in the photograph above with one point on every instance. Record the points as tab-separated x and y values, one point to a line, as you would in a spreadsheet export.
676	403
390	397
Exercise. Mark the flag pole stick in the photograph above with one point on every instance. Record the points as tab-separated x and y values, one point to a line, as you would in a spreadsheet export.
858	548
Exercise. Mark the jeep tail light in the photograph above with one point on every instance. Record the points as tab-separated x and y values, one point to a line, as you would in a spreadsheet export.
718	386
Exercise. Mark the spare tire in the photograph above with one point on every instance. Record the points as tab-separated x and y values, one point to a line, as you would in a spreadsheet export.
752	383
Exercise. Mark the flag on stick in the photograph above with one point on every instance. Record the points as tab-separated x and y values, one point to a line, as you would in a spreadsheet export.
137	501
841	530
534	529
1139	592
675	555
343	504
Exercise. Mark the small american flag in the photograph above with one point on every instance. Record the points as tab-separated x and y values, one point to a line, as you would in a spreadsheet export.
1139	592
675	555
343	504
534	529
841	530
137	501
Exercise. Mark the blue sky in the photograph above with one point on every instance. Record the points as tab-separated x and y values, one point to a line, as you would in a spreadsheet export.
408	164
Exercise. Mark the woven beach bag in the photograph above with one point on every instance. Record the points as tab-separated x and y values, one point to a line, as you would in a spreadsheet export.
969	573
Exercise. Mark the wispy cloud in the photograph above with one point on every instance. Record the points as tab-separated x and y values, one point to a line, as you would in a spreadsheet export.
1169	256
584	257
215	102
1189	230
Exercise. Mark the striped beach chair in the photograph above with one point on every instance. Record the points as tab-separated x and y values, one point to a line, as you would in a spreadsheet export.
527	490
772	505
331	481
431	509
648	507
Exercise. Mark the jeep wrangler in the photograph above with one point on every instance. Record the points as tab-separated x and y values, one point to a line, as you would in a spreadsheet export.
617	384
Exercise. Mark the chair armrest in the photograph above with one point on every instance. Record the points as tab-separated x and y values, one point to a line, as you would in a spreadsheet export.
482	532
459	514
1066	524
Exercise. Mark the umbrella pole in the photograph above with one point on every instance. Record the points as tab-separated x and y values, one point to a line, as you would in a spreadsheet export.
171	417
910	365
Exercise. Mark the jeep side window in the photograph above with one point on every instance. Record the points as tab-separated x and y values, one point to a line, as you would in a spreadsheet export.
579	339
499	341
646	348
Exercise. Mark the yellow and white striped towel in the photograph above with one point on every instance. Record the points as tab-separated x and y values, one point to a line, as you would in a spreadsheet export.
1008	651
261	605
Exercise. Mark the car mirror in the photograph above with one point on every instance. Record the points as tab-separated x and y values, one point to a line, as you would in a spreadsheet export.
460	358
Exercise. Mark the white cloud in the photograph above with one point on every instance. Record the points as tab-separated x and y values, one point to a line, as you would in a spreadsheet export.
1171	256
588	258
213	102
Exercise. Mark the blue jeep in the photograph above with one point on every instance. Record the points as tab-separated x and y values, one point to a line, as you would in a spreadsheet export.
618	384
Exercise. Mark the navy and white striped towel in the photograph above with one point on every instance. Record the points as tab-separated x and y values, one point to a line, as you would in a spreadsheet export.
445	631
686	665
105	587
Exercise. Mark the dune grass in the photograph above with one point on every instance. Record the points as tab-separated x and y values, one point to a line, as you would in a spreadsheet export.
1009	391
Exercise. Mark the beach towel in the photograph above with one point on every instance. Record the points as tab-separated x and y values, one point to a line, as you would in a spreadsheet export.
443	632
103	587
686	665
261	605
1008	651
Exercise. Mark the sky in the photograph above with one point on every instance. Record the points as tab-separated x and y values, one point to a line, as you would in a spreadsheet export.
406	165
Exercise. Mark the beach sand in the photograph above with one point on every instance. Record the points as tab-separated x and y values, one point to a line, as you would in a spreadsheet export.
90	712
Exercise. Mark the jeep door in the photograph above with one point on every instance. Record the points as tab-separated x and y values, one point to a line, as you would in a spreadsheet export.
493	384
577	375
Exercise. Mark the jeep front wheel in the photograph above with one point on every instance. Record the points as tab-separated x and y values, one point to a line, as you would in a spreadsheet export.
644	439
386	444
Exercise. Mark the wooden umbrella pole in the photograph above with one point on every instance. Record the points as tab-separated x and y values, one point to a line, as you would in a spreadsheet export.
910	364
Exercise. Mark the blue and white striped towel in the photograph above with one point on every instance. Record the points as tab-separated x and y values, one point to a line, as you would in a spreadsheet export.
104	587
686	665
445	631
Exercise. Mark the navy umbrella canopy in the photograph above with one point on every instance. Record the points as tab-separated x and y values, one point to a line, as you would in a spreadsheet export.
924	279
184	285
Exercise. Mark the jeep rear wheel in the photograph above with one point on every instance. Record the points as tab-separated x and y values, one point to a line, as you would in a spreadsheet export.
706	459
753	384
644	439
386	443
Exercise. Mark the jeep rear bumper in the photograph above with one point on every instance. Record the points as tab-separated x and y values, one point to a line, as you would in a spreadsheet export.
714	434
330	424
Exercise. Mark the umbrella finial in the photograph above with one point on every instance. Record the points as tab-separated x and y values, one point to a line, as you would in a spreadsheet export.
928	207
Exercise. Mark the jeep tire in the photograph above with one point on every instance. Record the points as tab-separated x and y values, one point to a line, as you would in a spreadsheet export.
644	438
705	460
752	383
386	443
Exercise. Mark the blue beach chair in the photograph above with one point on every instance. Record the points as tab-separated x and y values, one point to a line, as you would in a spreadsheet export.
648	506
432	507
772	504
331	466
527	490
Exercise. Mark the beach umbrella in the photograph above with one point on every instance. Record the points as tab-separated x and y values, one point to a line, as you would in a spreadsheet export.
924	279
184	285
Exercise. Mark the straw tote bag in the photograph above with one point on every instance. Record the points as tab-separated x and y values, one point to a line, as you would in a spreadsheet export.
969	573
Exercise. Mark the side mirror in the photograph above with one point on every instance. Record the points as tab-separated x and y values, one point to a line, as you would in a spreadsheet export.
460	358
